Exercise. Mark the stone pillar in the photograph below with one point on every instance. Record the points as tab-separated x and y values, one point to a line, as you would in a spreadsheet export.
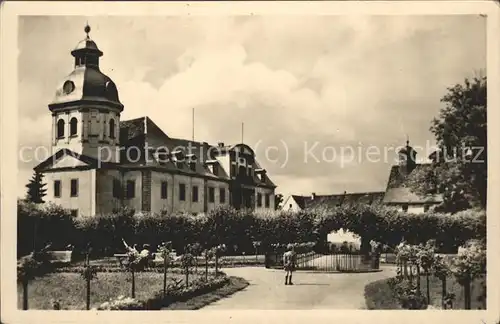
100	119
54	135
105	122
68	127
85	129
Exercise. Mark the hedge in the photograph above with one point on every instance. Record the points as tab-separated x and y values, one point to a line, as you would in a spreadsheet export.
239	229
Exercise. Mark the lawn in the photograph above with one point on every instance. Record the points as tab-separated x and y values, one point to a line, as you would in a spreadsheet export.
70	288
378	294
235	284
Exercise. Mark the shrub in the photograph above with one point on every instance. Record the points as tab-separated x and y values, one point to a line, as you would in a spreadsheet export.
407	293
469	265
122	303
39	224
242	228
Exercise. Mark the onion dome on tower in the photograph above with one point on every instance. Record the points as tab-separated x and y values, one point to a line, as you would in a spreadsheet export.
86	84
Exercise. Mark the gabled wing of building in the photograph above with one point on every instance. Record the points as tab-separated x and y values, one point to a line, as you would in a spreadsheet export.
67	159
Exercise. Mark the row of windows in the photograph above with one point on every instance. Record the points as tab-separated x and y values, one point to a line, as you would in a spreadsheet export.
73	128
73	192
267	199
130	191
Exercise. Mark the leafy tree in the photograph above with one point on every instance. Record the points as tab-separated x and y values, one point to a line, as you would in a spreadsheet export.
459	168
36	189
278	199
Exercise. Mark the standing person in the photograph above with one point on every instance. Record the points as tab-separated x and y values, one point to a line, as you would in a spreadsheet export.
289	260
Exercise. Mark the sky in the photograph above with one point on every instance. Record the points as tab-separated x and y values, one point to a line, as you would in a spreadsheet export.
316	94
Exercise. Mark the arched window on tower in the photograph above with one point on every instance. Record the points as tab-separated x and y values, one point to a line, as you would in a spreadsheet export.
60	128
73	126
112	128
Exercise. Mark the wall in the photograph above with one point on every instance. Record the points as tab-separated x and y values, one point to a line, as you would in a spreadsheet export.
157	203
290	205
216	185
415	209
412	208
136	202
85	201
263	192
105	202
188	205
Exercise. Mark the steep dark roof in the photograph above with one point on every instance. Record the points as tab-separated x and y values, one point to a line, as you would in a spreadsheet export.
143	132
308	202
300	200
398	190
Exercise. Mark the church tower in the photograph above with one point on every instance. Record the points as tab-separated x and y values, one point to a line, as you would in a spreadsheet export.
86	108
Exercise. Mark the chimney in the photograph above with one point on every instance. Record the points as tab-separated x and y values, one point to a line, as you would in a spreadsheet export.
313	196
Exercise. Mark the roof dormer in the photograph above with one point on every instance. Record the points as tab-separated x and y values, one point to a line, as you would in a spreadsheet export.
261	174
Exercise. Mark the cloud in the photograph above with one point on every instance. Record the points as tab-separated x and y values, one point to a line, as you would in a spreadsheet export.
293	81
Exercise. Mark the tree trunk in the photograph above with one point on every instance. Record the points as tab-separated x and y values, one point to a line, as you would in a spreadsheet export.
443	292
164	276
418	279
133	283
467	293
88	293
34	234
206	268
25	294
187	277
428	288
216	264
256	258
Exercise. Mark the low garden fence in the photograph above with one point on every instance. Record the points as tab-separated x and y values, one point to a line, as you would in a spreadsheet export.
327	262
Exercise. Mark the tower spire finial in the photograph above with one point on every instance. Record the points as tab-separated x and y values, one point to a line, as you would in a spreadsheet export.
87	29
407	140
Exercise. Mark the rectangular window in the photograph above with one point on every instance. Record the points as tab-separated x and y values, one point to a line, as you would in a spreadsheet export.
195	193
164	190
57	188
268	201
233	170
211	194
116	188
74	212
259	200
192	166
130	189
74	188
182	192
426	208
222	195
405	208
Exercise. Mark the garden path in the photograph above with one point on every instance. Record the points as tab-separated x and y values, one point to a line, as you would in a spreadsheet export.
310	290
